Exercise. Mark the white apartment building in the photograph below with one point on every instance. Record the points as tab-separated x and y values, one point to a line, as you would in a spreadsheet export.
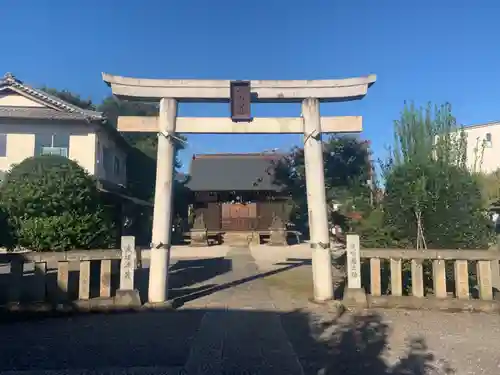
33	122
483	147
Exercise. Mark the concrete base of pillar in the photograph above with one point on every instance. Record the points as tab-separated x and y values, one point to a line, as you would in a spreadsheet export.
127	298
199	238
355	297
322	274
335	307
167	305
278	237
255	238
158	275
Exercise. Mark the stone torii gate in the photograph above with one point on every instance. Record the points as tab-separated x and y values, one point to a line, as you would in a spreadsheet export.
310	93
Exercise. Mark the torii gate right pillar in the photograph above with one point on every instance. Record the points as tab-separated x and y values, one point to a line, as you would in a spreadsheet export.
316	201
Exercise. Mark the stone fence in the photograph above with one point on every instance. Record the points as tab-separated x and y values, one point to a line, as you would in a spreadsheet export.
83	279
449	279
97	279
110	279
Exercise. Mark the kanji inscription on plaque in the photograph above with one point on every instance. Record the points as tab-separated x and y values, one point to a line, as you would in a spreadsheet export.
127	263
353	261
240	101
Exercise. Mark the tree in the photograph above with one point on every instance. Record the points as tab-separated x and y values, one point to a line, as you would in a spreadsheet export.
431	199
70	98
53	204
7	235
490	185
141	160
113	108
347	170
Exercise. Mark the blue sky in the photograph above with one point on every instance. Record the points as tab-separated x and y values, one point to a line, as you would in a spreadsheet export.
422	50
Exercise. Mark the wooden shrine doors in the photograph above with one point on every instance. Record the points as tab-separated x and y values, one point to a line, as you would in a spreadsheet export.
238	216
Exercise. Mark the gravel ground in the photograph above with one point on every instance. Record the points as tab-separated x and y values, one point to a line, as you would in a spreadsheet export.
385	341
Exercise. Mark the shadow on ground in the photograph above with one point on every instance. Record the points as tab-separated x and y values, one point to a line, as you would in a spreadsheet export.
185	275
183	295
164	339
356	345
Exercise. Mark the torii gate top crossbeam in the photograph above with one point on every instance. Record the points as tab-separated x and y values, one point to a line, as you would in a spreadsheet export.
194	90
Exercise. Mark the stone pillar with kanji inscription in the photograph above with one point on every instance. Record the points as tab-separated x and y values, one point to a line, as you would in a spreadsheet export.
354	294
127	295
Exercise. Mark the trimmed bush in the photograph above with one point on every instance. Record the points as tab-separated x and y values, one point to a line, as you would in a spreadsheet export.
54	205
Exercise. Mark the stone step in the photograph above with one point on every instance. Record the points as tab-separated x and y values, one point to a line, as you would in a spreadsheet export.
236	239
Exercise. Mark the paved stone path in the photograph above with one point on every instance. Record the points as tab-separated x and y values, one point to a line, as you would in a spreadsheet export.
240	324
246	337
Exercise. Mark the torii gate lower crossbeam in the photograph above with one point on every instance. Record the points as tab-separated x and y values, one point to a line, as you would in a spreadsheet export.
310	93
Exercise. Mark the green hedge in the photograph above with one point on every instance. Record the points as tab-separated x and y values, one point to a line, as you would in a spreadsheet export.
52	204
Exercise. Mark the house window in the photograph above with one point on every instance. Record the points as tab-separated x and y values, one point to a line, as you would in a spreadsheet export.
116	167
107	157
3	145
487	140
52	144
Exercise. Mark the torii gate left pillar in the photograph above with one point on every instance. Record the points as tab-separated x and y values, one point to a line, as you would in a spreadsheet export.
163	203
309	93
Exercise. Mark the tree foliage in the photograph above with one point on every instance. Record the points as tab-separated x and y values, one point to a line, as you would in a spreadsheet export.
431	199
490	185
141	158
422	136
7	232
347	170
70	97
113	108
53	204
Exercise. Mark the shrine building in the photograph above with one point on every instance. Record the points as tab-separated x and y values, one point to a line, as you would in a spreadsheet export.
235	197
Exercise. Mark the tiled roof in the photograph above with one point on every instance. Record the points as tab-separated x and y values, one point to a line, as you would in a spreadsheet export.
9	82
55	108
233	172
39	113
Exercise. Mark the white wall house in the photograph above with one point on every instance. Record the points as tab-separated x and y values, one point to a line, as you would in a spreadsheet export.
33	122
483	147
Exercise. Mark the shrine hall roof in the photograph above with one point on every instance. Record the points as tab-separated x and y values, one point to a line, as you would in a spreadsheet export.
233	172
